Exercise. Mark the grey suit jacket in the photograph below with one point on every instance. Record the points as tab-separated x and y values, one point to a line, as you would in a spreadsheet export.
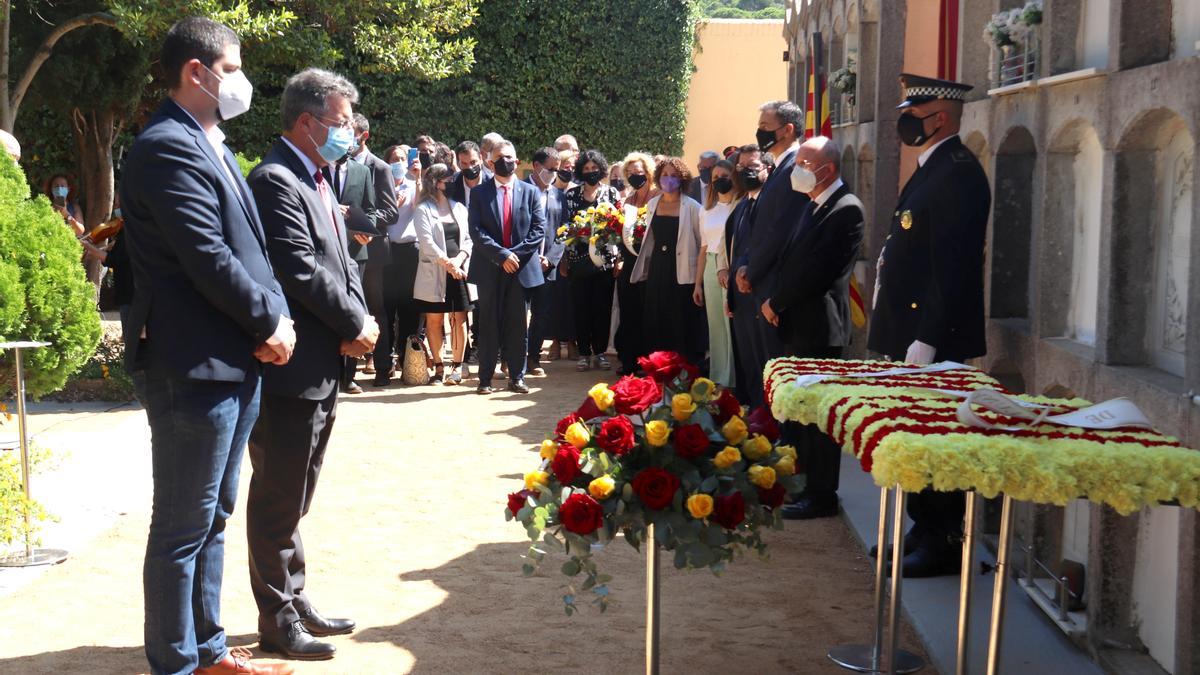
358	193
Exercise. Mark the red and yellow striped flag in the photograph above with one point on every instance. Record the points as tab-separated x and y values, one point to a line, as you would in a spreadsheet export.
817	98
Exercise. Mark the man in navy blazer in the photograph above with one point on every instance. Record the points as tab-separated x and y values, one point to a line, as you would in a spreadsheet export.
306	239
207	312
507	224
541	302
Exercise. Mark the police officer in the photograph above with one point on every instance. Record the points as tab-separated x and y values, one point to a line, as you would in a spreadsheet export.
929	285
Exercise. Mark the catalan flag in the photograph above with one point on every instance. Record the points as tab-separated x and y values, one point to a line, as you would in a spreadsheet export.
817	99
858	310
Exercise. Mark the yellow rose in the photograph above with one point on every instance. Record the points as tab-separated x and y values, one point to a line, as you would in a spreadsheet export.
702	389
756	447
762	476
657	432
602	395
700	506
786	466
786	451
682	407
602	488
549	449
562	229
727	457
735	431
536	479
578	434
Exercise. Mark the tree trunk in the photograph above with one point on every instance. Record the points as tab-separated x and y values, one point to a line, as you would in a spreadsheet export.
95	132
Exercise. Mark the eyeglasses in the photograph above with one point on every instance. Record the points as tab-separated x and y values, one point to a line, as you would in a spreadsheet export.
344	124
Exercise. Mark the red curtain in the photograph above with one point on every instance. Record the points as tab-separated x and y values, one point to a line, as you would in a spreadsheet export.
948	40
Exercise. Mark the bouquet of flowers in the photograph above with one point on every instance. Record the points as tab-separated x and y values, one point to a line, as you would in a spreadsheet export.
845	79
670	449
635	228
598	228
1012	27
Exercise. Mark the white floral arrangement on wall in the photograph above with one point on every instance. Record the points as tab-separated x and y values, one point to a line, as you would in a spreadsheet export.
1012	27
845	79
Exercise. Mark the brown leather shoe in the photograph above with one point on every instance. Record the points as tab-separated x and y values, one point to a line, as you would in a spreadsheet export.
237	662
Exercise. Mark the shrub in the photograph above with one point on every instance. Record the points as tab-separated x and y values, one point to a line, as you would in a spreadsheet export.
103	377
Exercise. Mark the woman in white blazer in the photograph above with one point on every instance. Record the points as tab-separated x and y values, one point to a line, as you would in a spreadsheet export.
441	286
666	264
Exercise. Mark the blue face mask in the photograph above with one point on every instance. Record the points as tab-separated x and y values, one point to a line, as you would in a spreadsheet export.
398	170
337	144
60	191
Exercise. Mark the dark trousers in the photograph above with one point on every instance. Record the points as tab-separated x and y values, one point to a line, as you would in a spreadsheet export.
820	455
631	333
401	315
287	449
745	346
351	368
198	433
591	299
503	331
541	313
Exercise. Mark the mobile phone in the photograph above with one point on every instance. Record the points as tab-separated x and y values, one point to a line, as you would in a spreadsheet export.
413	153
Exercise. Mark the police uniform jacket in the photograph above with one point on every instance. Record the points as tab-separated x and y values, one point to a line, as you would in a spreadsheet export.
931	267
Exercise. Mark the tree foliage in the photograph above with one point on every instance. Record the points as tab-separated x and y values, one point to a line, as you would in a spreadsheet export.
742	9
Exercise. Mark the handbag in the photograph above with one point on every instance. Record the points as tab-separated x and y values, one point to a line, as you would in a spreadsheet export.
415	368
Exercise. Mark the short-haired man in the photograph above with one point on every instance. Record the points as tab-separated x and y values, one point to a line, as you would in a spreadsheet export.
471	172
507	225
566	142
698	188
488	142
306	238
753	168
216	314
542	305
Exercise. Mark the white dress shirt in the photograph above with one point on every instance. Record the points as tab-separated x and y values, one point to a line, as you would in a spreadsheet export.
924	156
402	231
820	199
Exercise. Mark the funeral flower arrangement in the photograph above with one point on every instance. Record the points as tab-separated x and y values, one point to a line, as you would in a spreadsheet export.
635	229
670	449
598	228
1012	27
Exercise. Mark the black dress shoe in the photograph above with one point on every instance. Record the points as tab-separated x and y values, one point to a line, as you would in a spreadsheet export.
319	626
381	381
931	560
807	507
518	387
911	540
484	390
297	643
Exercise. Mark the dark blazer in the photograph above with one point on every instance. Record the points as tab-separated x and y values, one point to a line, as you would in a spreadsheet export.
738	230
812	293
385	210
552	249
487	234
778	213
456	190
205	292
931	267
693	189
359	195
318	276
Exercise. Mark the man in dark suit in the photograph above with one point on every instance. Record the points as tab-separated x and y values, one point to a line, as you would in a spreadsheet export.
471	173
754	167
775	217
306	239
929	287
698	187
507	225
207	312
541	303
810	305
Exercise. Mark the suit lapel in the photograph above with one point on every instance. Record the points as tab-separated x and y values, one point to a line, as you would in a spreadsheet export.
224	172
321	228
493	194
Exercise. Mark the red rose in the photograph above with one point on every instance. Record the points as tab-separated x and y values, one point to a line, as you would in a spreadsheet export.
565	463
690	441
581	514
588	410
616	435
761	421
727	406
773	498
634	395
516	501
666	366
560	431
655	487
729	510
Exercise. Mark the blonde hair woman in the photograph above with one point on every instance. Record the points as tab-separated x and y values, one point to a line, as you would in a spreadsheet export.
638	171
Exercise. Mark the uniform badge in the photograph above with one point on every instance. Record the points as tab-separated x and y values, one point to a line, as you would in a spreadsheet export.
906	220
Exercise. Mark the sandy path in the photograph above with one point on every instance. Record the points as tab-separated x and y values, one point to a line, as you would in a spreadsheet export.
407	535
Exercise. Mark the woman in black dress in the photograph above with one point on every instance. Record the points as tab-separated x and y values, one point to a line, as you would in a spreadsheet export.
638	170
667	265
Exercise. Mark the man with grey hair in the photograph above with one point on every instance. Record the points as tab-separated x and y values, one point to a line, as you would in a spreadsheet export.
306	240
488	142
809	305
567	142
698	188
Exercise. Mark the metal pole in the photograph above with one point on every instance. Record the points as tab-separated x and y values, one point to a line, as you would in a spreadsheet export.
23	430
996	631
897	557
880	578
966	581
651	601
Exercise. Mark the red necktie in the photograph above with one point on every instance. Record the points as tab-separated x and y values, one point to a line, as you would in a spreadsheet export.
507	215
323	189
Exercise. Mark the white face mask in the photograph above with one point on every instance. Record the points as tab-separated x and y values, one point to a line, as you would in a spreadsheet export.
803	179
233	96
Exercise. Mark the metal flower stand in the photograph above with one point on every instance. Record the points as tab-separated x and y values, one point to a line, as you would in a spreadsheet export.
652	596
31	556
869	658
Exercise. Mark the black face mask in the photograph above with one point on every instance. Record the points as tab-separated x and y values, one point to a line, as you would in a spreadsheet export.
636	181
504	167
911	129
618	183
723	185
593	177
564	175
750	179
426	160
766	138
706	176
472	172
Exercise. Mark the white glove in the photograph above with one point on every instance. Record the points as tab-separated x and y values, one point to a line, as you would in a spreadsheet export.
920	353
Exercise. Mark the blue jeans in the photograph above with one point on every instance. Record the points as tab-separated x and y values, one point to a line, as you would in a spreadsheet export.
198	436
